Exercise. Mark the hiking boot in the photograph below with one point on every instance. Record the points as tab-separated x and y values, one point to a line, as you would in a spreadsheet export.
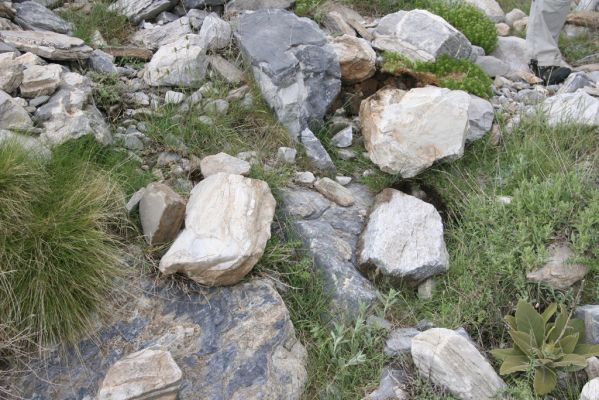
551	75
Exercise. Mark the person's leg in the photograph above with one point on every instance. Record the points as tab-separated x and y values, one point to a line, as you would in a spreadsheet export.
547	18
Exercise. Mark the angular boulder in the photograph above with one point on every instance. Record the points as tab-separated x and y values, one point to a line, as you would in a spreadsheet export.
420	36
222	162
406	132
70	113
578	107
403	239
181	63
35	17
227	225
296	69
40	80
161	212
12	115
147	374
50	45
138	10
452	362
356	57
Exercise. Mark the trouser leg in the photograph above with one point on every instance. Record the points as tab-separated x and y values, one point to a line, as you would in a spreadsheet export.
547	17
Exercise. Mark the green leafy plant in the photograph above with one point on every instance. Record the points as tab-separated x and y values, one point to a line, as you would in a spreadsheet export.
544	345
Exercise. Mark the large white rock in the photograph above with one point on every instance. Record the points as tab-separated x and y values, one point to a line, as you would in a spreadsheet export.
406	132
590	390
40	80
514	52
452	362
420	36
578	107
12	115
138	10
403	239
227	225
356	57
147	374
181	63
491	8
50	45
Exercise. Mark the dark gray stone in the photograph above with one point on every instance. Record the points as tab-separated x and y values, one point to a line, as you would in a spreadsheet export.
34	16
316	152
330	234
229	342
102	62
296	69
400	341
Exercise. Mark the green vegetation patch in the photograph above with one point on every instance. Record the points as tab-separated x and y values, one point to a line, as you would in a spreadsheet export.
578	47
114	27
60	225
445	72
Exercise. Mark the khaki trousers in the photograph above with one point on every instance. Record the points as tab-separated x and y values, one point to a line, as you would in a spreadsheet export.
547	18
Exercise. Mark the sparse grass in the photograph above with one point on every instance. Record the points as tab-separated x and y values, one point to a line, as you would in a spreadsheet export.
114	27
509	5
59	242
108	93
575	48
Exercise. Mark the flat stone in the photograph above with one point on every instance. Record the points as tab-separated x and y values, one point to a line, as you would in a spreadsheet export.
317	154
147	374
399	341
102	62
334	192
406	132
138	10
28	59
12	115
161	212
41	80
222	162
225	69
343	138
403	239
452	362
227	225
134	200
159	35
578	107
50	45
181	63
298	75
493	66
558	272
356	58
589	314
35	17
420	36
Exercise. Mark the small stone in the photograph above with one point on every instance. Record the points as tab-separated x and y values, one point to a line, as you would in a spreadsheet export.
590	390
148	374
133	142
346	154
316	152
38	101
206	120
514	16
378	323
356	57
217	107
250	156
575	81
400	341
222	162
334	192
521	24
504	199
343	180
558	272
426	289
286	155
161	212
304	178
343	138
39	80
98	40
502	29
166	158
172	97
225	69
13	115
592	368
102	62
133	202
28	59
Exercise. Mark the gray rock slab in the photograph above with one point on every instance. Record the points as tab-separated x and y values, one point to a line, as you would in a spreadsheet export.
34	16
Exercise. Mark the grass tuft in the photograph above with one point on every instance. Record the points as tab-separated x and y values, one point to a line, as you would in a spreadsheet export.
114	27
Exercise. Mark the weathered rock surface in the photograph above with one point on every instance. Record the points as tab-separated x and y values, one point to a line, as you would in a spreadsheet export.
493	66
181	63
420	36
35	17
330	233
315	151
578	107
40	80
70	113
102	62
391	386
590	390
215	33
161	212
558	272
514	52
147	374
222	162
590	315
237	6
227	225
356	57
50	45
343	138
12	115
138	10
334	192
299	74
491	8
11	73
241	332
575	81
225	69
406	132
400	341
160	35
480	118
451	361
403	239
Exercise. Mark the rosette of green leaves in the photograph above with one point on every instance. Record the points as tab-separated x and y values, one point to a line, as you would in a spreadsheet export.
545	344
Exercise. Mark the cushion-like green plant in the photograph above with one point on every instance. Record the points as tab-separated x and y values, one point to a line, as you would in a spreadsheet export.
543	345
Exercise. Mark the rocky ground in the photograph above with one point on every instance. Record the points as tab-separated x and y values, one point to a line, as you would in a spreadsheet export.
188	97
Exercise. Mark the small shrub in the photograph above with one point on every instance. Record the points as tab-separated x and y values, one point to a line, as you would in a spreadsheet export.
59	252
108	93
445	72
544	346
